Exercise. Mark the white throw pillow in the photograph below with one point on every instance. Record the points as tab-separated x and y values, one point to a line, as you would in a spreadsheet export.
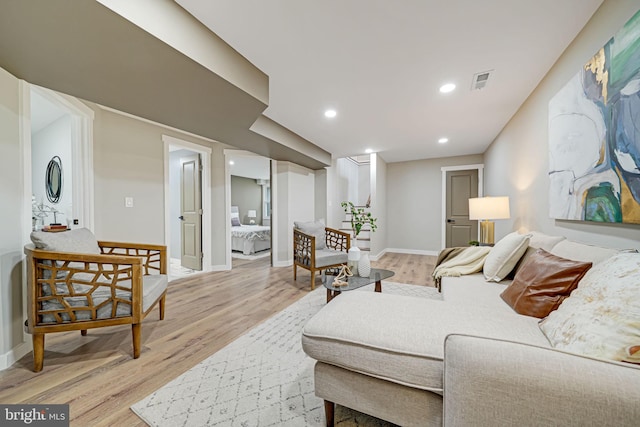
315	228
504	256
600	318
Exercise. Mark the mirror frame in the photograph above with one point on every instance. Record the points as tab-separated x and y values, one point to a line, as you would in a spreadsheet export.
53	179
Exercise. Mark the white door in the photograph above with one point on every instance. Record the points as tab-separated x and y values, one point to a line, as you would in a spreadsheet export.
191	212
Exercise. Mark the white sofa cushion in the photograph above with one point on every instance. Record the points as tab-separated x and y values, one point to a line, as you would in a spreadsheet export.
582	252
540	240
401	338
601	318
504	256
474	291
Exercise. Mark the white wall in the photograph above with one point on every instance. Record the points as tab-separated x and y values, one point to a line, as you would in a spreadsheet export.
516	164
53	140
379	206
12	223
414	202
293	187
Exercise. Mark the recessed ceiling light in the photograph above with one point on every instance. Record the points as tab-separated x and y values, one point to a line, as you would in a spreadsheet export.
330	113
446	88
443	140
368	151
231	162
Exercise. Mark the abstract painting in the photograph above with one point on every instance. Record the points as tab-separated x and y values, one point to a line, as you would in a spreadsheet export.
594	136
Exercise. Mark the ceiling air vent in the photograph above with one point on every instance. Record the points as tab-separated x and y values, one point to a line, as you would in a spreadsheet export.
480	80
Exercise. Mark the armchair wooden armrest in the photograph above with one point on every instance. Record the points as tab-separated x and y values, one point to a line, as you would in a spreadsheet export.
338	240
155	255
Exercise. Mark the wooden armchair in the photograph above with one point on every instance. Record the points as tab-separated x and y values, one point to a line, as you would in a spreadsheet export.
111	285
318	248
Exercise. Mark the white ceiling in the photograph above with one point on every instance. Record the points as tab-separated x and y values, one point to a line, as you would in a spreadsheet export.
248	165
380	63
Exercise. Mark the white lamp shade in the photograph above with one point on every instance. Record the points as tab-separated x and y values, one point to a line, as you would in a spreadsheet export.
251	214
489	208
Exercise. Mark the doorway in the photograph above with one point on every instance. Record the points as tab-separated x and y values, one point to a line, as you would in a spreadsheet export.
187	206
60	133
459	183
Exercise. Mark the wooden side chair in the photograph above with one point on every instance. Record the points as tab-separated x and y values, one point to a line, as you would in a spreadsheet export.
75	282
317	248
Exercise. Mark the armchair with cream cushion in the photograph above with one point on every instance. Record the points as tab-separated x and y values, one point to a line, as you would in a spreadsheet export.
316	248
75	282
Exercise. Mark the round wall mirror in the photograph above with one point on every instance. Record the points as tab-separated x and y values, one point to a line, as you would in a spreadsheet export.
53	178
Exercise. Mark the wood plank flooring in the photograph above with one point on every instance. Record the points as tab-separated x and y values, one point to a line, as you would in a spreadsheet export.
97	376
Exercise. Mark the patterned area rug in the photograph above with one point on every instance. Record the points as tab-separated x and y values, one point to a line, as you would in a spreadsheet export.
261	379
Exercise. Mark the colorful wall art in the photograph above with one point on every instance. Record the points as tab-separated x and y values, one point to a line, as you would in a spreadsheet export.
594	136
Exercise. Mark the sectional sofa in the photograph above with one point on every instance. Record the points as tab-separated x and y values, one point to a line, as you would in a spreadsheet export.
471	359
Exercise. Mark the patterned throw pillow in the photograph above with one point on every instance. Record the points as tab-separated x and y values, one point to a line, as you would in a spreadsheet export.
601	318
235	221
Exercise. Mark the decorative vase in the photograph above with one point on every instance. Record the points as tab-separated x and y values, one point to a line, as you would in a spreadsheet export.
364	265
353	257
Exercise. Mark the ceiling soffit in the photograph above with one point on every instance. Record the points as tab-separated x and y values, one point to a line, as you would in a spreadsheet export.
86	50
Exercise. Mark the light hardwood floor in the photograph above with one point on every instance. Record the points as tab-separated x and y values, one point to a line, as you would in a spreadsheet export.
97	376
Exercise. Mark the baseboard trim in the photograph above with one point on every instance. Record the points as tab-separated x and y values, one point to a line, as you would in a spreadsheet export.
411	251
219	267
13	355
287	263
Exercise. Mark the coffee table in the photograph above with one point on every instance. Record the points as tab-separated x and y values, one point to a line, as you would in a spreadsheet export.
376	276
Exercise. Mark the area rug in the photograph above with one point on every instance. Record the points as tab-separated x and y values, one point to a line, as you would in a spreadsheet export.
261	379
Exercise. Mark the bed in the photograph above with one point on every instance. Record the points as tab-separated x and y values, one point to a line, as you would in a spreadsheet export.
248	239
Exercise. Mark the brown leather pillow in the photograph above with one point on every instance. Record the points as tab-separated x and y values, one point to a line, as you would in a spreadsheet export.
542	283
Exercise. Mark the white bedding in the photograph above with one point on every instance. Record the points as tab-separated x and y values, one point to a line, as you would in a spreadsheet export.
250	239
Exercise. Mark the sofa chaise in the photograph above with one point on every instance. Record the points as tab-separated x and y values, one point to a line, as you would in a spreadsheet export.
471	359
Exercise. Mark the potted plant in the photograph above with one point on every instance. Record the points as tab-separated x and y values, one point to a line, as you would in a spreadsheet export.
359	218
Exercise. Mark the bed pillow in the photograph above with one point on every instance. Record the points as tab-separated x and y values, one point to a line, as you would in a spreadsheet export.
600	318
235	221
504	256
542	283
315	228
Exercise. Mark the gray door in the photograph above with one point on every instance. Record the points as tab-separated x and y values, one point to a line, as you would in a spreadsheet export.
461	186
190	213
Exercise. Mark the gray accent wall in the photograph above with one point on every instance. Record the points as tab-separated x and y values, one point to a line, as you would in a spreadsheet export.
516	163
129	162
246	194
414	202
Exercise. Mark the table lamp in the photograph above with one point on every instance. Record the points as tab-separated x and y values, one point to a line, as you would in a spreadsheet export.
486	209
252	214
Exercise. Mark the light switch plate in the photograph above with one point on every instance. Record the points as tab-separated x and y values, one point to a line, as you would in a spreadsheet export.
128	202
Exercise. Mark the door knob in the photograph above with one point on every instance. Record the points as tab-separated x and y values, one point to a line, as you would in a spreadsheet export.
181	218
451	221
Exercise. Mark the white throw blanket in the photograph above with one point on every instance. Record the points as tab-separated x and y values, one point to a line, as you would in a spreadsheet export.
469	261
